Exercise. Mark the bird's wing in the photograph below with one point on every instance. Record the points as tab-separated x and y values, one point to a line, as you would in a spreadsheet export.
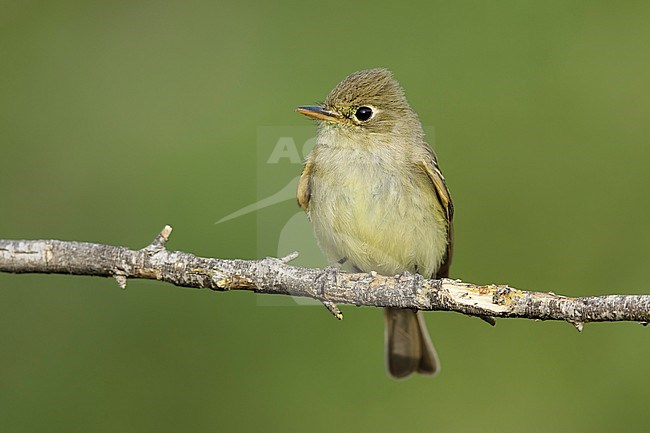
430	167
304	185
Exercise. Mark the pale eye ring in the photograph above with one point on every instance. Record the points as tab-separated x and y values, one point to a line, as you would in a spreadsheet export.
363	113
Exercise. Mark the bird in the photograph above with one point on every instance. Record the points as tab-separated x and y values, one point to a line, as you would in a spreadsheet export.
377	200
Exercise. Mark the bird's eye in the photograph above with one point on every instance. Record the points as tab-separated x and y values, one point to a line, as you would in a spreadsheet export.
363	113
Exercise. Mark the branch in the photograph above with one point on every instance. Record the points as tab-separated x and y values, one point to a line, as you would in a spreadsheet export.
330	286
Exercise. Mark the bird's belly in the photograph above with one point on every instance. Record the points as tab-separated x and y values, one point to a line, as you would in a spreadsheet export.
389	223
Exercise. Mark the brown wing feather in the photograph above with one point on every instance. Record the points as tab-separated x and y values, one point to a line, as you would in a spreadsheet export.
430	166
304	186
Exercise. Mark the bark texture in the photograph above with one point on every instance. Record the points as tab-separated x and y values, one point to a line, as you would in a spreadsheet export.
330	286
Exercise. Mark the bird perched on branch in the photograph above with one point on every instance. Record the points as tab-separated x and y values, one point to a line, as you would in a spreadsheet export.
377	200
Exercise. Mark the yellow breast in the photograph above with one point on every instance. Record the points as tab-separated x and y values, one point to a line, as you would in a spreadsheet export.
377	211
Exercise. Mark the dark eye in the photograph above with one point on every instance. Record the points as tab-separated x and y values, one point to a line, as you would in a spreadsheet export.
363	113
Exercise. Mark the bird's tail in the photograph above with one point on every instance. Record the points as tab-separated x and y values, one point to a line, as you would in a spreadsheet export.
408	345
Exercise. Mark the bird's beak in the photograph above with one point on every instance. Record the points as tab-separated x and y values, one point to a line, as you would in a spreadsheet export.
319	113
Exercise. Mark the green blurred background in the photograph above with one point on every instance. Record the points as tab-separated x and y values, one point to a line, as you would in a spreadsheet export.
118	117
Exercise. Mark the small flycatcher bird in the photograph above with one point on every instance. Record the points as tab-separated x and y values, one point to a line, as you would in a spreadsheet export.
378	201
